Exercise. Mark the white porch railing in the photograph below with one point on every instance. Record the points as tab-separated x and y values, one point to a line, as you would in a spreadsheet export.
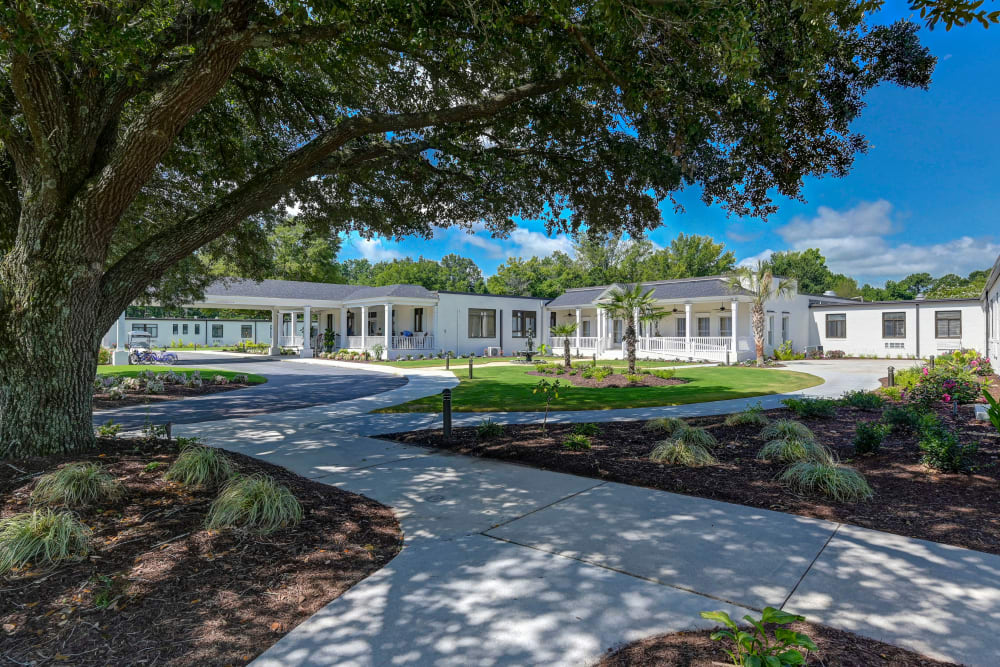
290	341
663	345
712	348
585	342
354	342
414	342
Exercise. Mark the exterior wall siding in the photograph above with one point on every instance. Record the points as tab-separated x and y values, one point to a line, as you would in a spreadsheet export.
232	331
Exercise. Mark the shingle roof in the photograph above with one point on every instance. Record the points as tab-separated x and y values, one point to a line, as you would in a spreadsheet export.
682	288
297	289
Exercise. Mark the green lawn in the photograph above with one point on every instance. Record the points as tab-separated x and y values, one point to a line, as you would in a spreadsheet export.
132	371
509	388
478	361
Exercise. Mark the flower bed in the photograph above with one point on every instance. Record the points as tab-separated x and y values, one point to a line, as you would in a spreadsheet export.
113	391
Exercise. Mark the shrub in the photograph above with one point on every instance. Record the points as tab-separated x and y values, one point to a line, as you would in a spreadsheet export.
597	373
198	465
589	429
832	480
946	385
662	373
835	354
942	449
865	400
109	429
131	384
155	387
241	379
77	485
116	393
665	425
488	429
220	379
907	378
891	393
751	416
784	352
633	378
787	428
577	442
752	647
868	437
42	537
695	436
679	452
902	417
790	450
807	408
255	504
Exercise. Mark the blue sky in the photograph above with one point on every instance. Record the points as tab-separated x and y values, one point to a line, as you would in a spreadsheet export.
925	197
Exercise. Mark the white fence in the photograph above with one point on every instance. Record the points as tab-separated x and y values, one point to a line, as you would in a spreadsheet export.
290	341
712	348
583	343
413	342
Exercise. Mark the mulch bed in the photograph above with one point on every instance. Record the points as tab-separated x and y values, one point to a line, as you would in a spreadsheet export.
910	499
171	392
837	648
182	595
613	380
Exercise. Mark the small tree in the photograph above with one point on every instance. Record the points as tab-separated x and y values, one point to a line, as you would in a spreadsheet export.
549	392
565	331
633	305
760	282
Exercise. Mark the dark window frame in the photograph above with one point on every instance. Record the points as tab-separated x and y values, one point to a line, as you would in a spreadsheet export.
222	331
842	321
725	332
483	315
938	319
246	331
897	321
418	320
184	329
519	323
151	329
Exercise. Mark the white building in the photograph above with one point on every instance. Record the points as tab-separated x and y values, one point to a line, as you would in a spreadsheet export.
703	318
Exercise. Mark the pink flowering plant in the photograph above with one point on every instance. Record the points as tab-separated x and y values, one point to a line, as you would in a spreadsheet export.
945	384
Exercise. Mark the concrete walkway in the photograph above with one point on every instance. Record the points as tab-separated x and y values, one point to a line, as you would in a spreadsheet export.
505	564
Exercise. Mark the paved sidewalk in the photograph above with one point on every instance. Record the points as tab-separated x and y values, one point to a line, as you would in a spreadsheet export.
505	564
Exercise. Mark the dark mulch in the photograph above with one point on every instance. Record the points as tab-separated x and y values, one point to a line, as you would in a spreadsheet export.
837	648
613	380
182	595
171	392
910	499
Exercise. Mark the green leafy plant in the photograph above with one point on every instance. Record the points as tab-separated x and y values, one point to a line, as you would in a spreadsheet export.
662	373
549	392
41	537
832	480
153	466
942	448
198	465
109	429
576	442
77	485
864	400
679	452
790	450
891	393
378	349
754	647
784	352
751	416
665	425
633	378
868	437
787	429
902	417
103	591
815	408
993	409
488	429
254	504
586	428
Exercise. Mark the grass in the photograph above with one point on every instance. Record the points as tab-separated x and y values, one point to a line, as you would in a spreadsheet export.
479	361
679	452
198	465
42	537
77	485
255	504
509	388
835	481
206	373
787	429
790	450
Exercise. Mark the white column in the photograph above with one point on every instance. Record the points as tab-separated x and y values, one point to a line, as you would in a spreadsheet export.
432	311
364	327
275	332
294	324
307	333
343	327
577	328
388	331
736	316
687	328
120	356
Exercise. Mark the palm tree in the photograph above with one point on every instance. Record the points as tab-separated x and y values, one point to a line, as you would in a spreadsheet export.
565	331
759	280
633	305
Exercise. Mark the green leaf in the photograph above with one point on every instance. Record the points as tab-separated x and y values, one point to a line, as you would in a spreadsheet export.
721	617
778	617
792	658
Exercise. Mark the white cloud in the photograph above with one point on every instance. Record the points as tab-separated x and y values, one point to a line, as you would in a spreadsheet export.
536	243
752	260
522	242
856	242
375	250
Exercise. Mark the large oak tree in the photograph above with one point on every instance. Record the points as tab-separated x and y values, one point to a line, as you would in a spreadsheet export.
134	134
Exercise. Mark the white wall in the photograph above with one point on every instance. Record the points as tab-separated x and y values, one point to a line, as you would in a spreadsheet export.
992	314
864	328
199	331
452	327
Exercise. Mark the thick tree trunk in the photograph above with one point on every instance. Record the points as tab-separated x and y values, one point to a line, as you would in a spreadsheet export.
49	339
757	313
566	355
630	346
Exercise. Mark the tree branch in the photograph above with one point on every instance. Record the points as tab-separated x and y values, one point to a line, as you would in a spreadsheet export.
297	37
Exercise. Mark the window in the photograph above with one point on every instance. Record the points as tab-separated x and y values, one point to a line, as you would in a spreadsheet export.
770	329
197	329
948	324
184	329
585	328
552	319
175	328
329	322
523	323
784	328
482	323
246	331
726	326
681	327
216	331
893	325
151	329
418	319
836	325
704	327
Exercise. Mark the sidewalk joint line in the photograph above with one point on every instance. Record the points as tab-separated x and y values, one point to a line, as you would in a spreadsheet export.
543	507
811	563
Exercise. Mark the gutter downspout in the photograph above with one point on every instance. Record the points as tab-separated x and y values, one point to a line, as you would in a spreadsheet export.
918	329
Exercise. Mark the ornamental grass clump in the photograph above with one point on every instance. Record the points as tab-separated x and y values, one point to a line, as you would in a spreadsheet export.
791	450
256	504
488	429
679	452
833	480
787	429
691	435
751	416
77	485
577	442
665	425
42	537
198	465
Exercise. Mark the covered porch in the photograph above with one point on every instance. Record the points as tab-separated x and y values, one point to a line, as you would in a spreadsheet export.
411	328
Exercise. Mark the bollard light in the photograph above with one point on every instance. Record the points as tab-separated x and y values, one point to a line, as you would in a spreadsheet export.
446	413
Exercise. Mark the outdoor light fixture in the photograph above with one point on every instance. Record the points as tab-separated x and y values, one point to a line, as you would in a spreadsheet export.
722	309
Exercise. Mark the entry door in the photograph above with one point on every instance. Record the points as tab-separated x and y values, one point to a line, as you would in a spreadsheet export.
617	330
